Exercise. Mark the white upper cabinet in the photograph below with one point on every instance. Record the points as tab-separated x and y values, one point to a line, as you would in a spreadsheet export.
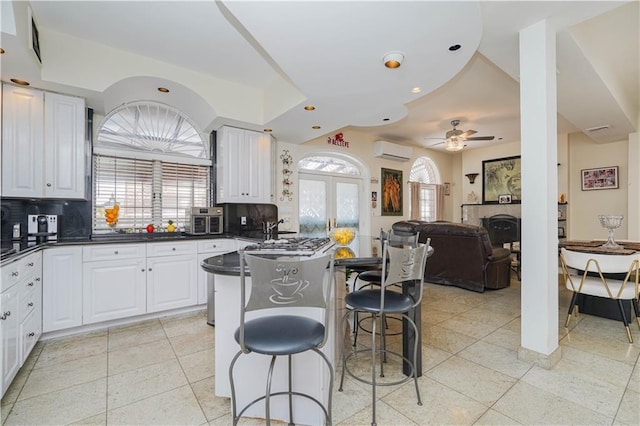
244	164
43	144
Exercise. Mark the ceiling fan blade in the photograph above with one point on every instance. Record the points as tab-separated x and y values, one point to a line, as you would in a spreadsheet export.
468	133
436	143
481	138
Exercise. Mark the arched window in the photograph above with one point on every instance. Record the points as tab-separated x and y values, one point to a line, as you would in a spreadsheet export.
427	195
424	170
151	160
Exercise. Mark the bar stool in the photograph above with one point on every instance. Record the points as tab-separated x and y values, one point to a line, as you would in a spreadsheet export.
267	326
398	265
373	277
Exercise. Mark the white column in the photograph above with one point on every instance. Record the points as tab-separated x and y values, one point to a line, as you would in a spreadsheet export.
538	117
633	188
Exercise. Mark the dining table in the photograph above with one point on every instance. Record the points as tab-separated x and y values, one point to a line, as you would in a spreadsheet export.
366	252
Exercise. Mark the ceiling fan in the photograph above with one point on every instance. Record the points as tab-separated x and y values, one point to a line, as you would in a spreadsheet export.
455	138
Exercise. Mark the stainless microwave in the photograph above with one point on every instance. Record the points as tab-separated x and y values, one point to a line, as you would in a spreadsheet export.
205	220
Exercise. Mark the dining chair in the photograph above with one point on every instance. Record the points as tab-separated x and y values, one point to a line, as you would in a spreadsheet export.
399	265
268	326
590	273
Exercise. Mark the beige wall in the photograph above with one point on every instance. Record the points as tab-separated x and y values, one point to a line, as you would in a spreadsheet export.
585	206
361	149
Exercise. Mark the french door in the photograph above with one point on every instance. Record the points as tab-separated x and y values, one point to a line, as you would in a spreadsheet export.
327	202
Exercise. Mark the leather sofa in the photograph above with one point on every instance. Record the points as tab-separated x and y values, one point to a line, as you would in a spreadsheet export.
463	255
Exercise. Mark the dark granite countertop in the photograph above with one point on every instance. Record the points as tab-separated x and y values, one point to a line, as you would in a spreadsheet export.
16	250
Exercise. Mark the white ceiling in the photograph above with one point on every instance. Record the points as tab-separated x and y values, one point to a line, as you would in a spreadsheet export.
329	54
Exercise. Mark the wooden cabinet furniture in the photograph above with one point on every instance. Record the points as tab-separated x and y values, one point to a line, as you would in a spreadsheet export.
114	282
43	144
61	288
244	164
172	275
21	313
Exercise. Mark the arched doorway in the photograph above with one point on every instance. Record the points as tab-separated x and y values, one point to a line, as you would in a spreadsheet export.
331	189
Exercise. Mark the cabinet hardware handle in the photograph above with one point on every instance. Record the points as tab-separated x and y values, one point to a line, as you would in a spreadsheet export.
38	279
30	304
141	270
5	315
214	246
115	252
174	249
150	269
49	185
31	334
30	284
30	264
14	274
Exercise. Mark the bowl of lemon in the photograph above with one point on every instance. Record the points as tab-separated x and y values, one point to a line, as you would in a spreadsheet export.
343	236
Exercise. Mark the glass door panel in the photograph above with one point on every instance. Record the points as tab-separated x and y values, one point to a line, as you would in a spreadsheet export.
313	206
327	202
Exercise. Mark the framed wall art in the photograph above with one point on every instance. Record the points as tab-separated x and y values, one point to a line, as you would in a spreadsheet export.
501	177
600	178
391	192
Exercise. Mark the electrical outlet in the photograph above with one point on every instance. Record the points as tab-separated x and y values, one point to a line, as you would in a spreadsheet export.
243	220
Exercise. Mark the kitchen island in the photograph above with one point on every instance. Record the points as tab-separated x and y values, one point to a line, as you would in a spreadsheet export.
310	375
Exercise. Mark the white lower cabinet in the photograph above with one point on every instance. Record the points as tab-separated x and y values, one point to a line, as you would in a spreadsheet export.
61	288
20	314
206	249
9	328
115	285
172	276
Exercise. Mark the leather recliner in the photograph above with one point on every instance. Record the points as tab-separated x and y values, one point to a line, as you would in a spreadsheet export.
463	255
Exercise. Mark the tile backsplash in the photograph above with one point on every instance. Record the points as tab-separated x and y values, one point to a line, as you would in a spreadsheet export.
74	216
255	215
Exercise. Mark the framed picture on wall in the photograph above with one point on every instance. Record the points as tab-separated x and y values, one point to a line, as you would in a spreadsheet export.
501	177
600	178
391	192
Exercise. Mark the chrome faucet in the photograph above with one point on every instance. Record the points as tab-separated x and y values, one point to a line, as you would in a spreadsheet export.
268	227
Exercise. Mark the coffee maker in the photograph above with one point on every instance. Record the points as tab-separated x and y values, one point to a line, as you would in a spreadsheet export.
41	228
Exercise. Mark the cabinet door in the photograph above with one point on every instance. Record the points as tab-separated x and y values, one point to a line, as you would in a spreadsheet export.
244	166
64	142
22	142
171	282
62	288
9	323
113	289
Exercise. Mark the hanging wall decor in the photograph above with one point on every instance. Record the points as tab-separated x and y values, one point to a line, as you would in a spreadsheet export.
286	175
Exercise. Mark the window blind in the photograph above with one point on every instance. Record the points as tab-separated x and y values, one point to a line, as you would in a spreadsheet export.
135	184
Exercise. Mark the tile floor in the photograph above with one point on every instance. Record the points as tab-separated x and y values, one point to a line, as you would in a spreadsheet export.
161	372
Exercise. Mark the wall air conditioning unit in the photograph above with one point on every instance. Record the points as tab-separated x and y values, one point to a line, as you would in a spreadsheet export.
392	151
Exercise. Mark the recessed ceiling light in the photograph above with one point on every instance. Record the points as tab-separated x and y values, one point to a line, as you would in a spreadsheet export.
393	60
309	107
315	127
163	90
416	90
454	47
267	130
1	51
20	82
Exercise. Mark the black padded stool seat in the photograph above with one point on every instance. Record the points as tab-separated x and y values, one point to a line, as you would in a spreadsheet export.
369	301
281	335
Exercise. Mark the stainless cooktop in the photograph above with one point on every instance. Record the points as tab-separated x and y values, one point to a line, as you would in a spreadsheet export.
302	246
